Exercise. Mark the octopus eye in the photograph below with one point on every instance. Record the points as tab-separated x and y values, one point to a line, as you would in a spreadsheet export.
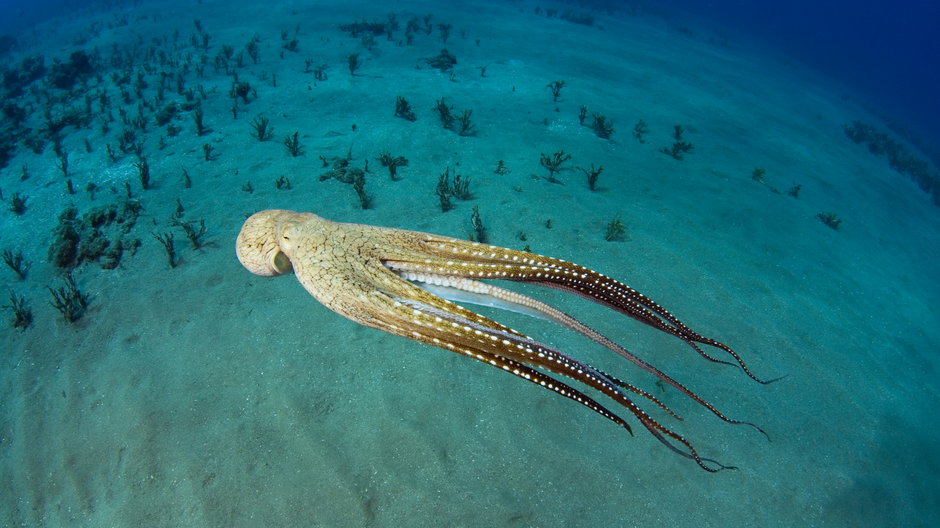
280	263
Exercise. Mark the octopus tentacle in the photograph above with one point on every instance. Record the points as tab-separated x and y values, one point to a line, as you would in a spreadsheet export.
522	371
452	310
645	315
551	313
423	323
528	351
490	262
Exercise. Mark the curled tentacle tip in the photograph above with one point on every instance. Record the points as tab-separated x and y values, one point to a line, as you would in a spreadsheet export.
771	380
755	426
720	466
763	432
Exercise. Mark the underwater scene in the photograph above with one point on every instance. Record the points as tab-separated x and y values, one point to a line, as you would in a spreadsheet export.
500	263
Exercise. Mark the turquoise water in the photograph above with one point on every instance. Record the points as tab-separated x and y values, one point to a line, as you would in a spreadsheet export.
199	394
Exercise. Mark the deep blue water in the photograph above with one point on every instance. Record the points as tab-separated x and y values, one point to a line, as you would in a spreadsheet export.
887	51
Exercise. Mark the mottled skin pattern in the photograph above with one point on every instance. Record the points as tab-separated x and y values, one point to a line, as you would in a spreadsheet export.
359	271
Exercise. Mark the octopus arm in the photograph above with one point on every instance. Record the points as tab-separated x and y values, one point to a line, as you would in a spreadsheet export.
504	263
493	262
520	356
466	290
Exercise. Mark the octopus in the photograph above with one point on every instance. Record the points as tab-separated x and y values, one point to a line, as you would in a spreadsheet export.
414	285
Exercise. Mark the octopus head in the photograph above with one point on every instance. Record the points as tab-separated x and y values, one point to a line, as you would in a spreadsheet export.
258	247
